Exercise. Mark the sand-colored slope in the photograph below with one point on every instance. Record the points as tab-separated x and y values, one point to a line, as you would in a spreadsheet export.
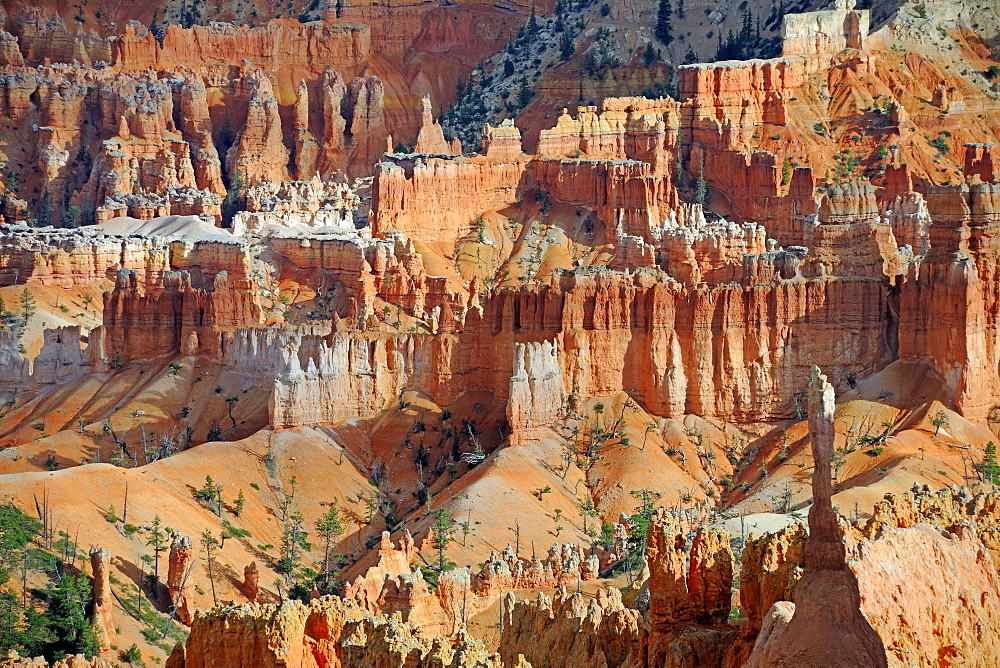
139	402
79	499
901	401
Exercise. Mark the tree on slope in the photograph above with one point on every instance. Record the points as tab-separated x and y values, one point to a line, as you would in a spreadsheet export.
664	30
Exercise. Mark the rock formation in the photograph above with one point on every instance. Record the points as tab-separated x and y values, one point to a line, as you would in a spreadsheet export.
103	619
548	629
178	572
828	626
283	278
251	581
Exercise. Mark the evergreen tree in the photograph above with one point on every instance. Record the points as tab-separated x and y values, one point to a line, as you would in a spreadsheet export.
701	186
330	527
989	466
638	524
650	55
238	504
690	57
524	94
292	542
566	46
442	534
209	544
157	541
679	160
664	30
233	200
67	617
27	303
786	171
45	209
531	27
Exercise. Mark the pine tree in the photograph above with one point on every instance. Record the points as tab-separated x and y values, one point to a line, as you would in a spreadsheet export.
45	209
27	303
157	541
292	541
989	466
786	172
531	27
679	160
238	505
209	544
566	46
664	30
701	186
330	527
67	616
233	199
442	534
524	94
638	528
690	57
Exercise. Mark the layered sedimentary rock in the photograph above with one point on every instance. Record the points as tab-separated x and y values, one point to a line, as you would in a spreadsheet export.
280	44
911	582
60	359
149	135
536	390
957	271
439	199
295	205
824	34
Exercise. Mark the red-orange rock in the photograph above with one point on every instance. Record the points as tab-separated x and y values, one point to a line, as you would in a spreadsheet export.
178	587
103	618
828	627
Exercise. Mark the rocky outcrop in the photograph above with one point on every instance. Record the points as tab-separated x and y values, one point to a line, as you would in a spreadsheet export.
565	565
439	199
296	206
280	44
258	153
824	34
327	632
827	627
173	316
536	396
950	509
251	581
430	138
979	162
386	641
548	629
930	593
770	567
367	589
12	660
178	570
957	272
103	616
